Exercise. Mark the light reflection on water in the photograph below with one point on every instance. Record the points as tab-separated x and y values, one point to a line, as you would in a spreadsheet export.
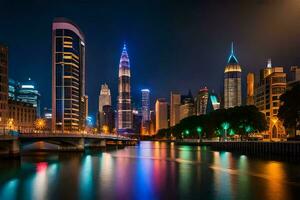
152	170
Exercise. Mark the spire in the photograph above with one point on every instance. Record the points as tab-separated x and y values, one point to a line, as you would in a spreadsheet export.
124	60
269	65
232	59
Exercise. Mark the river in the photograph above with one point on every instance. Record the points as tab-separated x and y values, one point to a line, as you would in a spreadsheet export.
152	170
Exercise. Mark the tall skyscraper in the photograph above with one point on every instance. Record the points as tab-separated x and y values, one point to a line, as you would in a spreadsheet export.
3	86
68	76
28	92
271	86
104	100
145	104
175	101
124	98
201	101
232	82
161	114
250	88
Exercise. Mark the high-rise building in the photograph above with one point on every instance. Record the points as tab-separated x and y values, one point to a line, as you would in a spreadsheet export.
68	76
28	92
108	119
12	89
187	107
145	130
3	86
201	101
250	89
124	98
161	113
152	129
104	100
295	77
232	82
272	85
213	103
175	101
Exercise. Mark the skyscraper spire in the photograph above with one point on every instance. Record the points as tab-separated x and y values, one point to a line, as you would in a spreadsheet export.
269	65
232	58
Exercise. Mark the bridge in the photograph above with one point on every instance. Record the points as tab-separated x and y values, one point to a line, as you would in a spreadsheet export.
14	144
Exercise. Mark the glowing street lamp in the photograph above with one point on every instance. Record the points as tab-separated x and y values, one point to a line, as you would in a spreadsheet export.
187	132
40	124
199	131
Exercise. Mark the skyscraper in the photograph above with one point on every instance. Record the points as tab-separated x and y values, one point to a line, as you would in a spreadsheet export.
68	76
3	85
271	86
145	111
250	89
161	114
104	100
175	102
28	92
232	82
124	98
201	101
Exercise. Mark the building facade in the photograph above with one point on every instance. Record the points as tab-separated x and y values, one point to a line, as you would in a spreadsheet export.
161	114
68	76
175	102
3	86
272	85
250	89
145	130
201	101
28	92
232	82
108	118
124	99
104	100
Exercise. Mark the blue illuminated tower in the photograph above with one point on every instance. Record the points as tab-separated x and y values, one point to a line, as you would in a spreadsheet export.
124	98
232	82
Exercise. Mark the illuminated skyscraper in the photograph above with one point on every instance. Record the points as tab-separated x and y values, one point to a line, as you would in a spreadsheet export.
28	92
146	104
124	98
104	100
271	86
187	107
232	82
201	102
68	76
175	102
161	114
3	85
250	88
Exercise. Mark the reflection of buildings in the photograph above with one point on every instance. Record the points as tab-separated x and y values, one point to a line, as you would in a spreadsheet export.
68	76
161	112
201	101
104	100
187	107
27	92
271	85
124	99
250	89
3	85
175	102
232	82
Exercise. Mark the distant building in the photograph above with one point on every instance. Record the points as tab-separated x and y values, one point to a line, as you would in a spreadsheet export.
3	86
250	89
187	107
21	117
27	92
213	103
68	77
201	101
272	85
232	82
104	100
13	89
48	117
295	77
137	118
175	102
108	118
145	111
124	99
161	112
152	123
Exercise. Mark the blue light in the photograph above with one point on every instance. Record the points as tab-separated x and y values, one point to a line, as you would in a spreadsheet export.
145	90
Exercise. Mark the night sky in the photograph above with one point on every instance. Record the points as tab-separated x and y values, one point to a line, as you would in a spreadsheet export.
172	46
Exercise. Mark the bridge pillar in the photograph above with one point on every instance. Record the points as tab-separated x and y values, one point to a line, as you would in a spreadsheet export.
14	147
102	143
80	145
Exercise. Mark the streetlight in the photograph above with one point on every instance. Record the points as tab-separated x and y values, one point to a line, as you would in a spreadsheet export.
199	130
225	126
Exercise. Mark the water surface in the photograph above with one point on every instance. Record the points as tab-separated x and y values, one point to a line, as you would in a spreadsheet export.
152	170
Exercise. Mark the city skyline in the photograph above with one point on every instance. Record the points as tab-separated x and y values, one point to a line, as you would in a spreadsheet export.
150	58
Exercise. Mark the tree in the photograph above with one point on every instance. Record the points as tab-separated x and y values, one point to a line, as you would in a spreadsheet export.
289	111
